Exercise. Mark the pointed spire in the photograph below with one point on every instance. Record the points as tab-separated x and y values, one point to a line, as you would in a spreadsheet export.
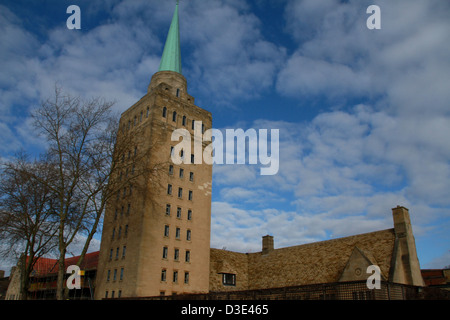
171	58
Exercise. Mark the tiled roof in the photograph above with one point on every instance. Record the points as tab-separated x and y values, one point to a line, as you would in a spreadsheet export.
47	265
319	262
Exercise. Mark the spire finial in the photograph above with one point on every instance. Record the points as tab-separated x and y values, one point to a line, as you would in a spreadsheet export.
171	58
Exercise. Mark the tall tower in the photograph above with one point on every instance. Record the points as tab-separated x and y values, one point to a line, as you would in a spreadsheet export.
156	231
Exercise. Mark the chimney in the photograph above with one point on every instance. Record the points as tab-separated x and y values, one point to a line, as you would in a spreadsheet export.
406	264
267	244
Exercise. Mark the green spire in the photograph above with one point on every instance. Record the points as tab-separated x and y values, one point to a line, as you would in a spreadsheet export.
171	58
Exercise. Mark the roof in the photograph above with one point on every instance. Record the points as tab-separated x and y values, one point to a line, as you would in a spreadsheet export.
171	58
47	265
320	262
312	263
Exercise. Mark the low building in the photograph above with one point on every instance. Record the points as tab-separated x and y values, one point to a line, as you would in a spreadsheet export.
346	259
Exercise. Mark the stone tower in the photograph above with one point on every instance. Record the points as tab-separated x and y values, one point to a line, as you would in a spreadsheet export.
156	232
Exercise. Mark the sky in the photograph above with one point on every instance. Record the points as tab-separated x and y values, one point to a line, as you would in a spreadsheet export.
363	114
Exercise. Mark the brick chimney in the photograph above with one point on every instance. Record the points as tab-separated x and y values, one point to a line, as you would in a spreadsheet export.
267	244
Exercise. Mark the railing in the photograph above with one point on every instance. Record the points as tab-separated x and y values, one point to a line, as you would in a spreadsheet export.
355	290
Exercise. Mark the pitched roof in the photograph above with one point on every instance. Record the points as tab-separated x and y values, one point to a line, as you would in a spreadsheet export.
45	266
319	262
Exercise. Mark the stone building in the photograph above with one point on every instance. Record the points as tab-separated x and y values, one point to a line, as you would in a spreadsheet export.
156	239
337	260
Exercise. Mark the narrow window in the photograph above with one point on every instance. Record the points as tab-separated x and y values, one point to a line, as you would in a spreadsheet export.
121	274
148	112
177	233
163	275
179	213
119	233
176	254
188	256
175	276
174	116
186	277
184	121
188	235
108	276
115	275
181	173
165	249
142	115
119	294
167	209
180	192
171	169
169	189
189	215
192	158
110	254
193	124
164	113
128	209
113	233
117	253
178	93
191	195
166	231
124	249
126	231
191	176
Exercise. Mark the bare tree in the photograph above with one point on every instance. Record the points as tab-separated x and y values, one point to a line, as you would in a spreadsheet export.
26	215
88	154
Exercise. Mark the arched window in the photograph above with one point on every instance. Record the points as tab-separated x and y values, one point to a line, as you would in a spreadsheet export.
174	116
164	114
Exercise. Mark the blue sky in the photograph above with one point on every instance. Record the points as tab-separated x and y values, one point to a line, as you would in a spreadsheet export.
364	115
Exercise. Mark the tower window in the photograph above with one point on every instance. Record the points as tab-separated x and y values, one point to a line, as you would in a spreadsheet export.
184	120
178	92
166	231
174	116
148	112
164	113
193	124
188	235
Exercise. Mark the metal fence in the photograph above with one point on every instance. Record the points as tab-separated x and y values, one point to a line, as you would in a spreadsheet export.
356	290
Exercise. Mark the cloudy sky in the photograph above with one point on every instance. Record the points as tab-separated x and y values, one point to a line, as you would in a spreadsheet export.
364	115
